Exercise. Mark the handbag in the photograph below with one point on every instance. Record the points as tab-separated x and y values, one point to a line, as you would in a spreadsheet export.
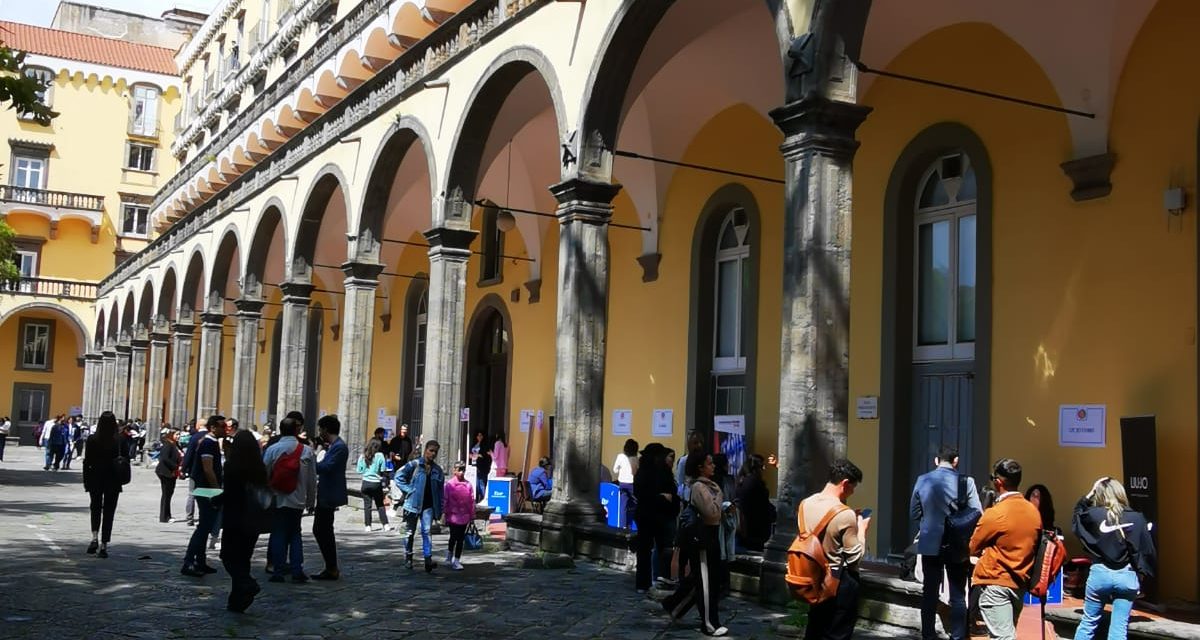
121	467
472	541
259	514
959	526
688	527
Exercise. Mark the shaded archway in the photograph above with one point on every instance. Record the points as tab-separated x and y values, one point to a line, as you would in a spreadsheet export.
487	372
45	378
165	312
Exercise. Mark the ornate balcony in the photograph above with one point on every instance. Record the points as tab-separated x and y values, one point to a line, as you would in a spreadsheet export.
50	288
54	206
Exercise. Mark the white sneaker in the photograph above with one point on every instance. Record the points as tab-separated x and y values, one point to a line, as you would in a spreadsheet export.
456	565
388	528
449	557
719	631
367	529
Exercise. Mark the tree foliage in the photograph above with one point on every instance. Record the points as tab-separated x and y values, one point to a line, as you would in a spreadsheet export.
21	92
8	254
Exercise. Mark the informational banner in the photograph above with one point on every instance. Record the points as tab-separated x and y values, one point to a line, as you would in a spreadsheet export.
1139	460
1081	425
526	419
622	422
731	440
662	425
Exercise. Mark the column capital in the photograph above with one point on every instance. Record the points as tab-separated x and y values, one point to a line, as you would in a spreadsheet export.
211	320
159	338
139	344
294	291
109	352
362	273
94	356
249	306
123	349
583	200
819	124
184	329
446	241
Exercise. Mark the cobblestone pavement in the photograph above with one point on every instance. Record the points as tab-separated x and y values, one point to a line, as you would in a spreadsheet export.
52	589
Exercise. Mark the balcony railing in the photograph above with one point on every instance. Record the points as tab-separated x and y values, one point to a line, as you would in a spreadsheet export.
178	123
46	198
230	64
210	85
283	8
70	289
255	37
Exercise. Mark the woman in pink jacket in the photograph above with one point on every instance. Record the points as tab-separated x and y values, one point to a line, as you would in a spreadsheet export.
459	506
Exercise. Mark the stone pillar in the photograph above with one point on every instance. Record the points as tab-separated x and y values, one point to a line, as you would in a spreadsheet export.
818	149
108	373
449	251
358	328
93	366
181	357
584	211
121	382
245	359
208	386
137	379
154	386
293	351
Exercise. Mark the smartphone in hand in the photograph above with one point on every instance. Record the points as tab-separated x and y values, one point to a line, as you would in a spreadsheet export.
865	513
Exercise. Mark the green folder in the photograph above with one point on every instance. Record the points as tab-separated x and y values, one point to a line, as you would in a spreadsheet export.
202	492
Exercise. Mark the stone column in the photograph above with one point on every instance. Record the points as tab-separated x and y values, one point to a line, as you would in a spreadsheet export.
208	386
818	149
121	382
108	374
245	359
181	356
137	379
584	211
358	328
449	251
293	351
92	366
154	386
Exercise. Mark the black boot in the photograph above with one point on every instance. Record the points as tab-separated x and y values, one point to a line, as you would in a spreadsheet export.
429	565
408	561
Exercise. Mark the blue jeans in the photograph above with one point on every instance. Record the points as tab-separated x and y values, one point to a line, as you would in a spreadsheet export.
425	522
195	556
1104	585
285	546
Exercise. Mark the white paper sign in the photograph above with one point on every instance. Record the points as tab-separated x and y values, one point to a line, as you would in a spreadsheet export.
262	417
541	419
526	419
464	414
867	408
1081	425
381	412
730	424
663	423
622	422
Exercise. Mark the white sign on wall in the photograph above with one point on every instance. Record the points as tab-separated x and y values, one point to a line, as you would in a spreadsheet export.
262	417
730	424
1081	425
622	422
526	418
541	419
663	423
867	408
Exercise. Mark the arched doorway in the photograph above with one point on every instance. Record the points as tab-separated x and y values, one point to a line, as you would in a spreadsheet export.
487	372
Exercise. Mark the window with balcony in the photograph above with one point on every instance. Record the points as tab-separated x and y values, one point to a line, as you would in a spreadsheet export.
139	157
37	340
143	113
134	219
28	172
46	78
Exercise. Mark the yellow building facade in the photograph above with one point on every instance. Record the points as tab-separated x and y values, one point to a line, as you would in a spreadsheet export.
77	195
364	224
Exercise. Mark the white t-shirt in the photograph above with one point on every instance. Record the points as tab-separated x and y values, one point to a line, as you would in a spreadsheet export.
623	468
5	427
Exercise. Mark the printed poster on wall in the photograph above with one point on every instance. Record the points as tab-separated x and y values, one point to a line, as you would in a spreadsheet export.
1081	425
731	440
622	422
663	423
541	419
526	418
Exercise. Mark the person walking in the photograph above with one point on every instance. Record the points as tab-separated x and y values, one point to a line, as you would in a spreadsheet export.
655	491
844	542
702	550
198	431
756	512
935	496
1005	540
167	470
57	437
371	467
483	467
243	504
1118	541
423	481
331	493
294	488
460	511
400	448
70	430
206	473
105	468
5	429
624	468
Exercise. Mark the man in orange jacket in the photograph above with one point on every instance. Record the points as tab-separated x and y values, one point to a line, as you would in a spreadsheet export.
1005	541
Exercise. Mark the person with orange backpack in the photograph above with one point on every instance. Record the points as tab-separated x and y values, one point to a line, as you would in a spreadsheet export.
1006	542
292	478
823	559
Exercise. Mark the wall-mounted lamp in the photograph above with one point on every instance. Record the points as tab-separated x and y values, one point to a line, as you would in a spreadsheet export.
505	220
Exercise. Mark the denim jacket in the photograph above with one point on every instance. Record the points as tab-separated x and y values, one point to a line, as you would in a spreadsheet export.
411	480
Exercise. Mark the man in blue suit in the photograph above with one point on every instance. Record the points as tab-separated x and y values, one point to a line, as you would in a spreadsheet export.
934	497
331	493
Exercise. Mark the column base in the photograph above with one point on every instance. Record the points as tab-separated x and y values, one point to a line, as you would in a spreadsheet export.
559	521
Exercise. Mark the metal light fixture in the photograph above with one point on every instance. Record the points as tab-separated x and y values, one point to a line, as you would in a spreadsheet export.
505	220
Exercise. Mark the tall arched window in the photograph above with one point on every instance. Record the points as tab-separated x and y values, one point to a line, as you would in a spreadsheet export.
730	328
945	250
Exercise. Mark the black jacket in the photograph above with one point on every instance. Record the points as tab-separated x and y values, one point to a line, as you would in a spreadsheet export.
756	512
169	460
100	464
653	508
1114	546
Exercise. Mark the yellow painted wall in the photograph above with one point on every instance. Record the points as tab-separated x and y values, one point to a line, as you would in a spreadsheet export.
1105	290
65	376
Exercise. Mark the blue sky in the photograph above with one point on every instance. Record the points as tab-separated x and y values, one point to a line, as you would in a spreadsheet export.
41	12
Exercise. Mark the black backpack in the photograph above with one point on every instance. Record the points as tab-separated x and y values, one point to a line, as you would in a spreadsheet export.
959	525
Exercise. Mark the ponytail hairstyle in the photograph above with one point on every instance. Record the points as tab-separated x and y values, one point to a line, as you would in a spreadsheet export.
1110	494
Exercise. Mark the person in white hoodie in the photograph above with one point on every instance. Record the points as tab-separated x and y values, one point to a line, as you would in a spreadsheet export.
297	472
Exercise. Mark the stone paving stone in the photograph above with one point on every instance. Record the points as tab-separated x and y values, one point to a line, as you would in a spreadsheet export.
54	590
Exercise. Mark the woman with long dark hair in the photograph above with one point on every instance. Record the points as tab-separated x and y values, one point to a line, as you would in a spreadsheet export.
243	504
699	544
755	511
169	460
371	466
105	467
654	511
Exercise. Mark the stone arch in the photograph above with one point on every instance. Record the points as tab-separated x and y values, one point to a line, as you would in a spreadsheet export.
114	323
98	337
398	142
489	307
74	322
226	262
327	181
165	309
488	96
145	312
270	222
191	298
128	313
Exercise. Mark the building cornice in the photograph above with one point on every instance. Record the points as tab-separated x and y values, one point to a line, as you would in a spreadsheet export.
101	71
207	32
